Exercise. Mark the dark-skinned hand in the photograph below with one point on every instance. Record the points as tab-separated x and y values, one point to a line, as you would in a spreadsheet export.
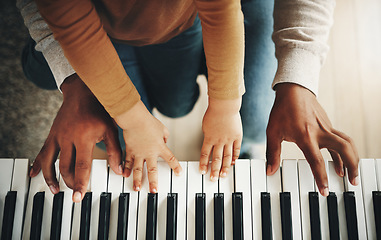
298	117
80	123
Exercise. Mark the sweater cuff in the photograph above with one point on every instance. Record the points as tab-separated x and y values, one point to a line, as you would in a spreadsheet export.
300	67
57	62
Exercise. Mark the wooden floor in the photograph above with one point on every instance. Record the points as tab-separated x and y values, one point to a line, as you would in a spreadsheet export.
350	86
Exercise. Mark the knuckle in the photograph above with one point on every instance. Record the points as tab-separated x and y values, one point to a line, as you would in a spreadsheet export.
172	159
217	159
227	156
138	169
128	162
152	170
82	165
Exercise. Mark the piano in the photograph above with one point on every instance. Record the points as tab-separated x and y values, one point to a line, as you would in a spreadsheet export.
246	204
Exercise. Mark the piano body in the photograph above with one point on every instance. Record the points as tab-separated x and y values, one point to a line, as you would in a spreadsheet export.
246	204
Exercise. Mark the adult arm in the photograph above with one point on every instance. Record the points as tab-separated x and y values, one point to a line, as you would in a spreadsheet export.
301	30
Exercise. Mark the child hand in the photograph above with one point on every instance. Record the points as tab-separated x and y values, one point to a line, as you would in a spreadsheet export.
145	138
222	129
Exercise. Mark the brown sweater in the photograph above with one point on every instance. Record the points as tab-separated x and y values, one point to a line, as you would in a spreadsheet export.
84	28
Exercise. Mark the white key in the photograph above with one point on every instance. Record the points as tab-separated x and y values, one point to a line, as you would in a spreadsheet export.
378	173
66	209
291	184
142	218
323	208
227	188
76	223
38	185
258	184
194	186
179	186
306	185
132	208
209	189
6	169
361	224
242	178
369	184
98	184
115	187
20	184
164	185
336	184
274	187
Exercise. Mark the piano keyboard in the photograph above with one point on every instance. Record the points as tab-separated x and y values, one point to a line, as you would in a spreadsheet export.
246	204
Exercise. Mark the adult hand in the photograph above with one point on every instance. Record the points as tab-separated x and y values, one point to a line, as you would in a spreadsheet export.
80	123
145	138
298	117
222	129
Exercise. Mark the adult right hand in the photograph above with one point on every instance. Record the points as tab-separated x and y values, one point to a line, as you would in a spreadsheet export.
80	123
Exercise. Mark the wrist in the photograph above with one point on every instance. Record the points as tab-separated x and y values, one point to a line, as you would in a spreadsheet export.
73	86
132	116
291	89
225	106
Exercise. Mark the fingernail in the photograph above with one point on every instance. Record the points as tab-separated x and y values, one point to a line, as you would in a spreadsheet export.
154	190
202	171
213	178
178	172
223	174
341	173
325	192
268	169
137	188
77	197
356	181
31	172
53	189
120	169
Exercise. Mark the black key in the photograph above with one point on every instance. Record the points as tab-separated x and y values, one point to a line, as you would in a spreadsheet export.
351	215
84	232
9	215
124	201
171	216
55	230
333	217
285	212
104	216
237	201
267	233
219	233
200	216
377	211
314	216
151	216
37	212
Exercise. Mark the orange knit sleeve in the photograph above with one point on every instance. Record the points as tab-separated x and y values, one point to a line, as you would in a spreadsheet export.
223	36
77	27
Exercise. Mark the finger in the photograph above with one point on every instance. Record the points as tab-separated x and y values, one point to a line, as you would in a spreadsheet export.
166	135
138	173
204	158
48	151
114	151
216	162
348	153
315	159
67	164
236	150
82	170
337	162
273	151
173	163
152	174
226	160
46	159
128	165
